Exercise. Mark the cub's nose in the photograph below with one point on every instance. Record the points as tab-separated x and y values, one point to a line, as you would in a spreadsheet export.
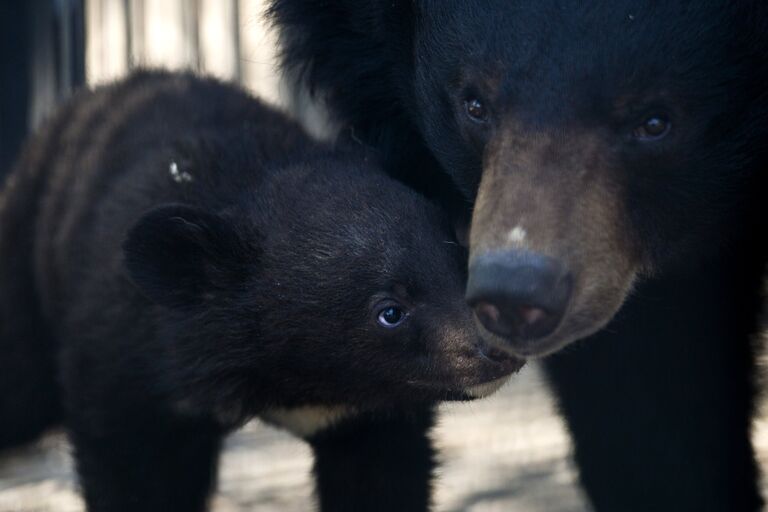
520	296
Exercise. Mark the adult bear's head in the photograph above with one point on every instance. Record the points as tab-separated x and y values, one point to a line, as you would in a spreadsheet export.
600	142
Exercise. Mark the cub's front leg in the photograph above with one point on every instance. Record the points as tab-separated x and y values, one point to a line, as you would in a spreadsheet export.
148	463
375	462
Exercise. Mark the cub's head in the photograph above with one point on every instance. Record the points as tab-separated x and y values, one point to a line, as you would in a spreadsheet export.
329	284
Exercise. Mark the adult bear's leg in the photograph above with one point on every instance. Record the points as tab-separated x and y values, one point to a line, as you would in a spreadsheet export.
660	403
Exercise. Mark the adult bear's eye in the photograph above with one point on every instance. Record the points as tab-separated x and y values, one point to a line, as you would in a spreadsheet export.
653	128
476	110
391	316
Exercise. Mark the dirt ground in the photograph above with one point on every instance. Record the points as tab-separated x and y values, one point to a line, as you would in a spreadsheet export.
507	453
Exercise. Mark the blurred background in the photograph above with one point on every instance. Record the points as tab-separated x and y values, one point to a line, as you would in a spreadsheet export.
508	453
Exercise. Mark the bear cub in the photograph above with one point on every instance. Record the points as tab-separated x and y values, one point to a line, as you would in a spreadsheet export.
179	258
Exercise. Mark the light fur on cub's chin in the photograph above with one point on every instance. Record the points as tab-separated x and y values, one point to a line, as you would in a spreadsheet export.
308	420
487	388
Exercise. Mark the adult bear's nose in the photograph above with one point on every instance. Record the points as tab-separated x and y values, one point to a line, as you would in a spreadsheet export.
518	295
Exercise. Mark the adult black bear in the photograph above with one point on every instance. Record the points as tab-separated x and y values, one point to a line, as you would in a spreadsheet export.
615	153
194	259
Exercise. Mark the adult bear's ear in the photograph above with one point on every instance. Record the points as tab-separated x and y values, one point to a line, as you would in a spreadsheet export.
182	257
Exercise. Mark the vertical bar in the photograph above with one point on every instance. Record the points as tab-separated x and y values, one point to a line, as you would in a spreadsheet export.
135	33
63	50
129	44
68	36
15	37
44	60
77	43
190	31
93	28
219	38
238	54
107	44
258	46
171	33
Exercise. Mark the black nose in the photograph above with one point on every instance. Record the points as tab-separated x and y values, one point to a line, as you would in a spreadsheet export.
520	296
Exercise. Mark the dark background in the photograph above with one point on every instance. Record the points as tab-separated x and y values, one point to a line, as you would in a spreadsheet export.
41	60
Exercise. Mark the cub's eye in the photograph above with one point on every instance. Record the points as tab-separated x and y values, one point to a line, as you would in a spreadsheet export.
653	128
476	110
391	316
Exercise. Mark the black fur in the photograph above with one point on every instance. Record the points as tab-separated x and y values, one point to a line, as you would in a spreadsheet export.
660	401
376	463
184	258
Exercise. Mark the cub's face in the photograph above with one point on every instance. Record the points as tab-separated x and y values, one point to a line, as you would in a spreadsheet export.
414	336
601	142
372	304
354	298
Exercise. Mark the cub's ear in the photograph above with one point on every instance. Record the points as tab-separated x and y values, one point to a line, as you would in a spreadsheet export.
181	256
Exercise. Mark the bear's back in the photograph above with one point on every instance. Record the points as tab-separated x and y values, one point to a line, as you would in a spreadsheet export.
113	153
